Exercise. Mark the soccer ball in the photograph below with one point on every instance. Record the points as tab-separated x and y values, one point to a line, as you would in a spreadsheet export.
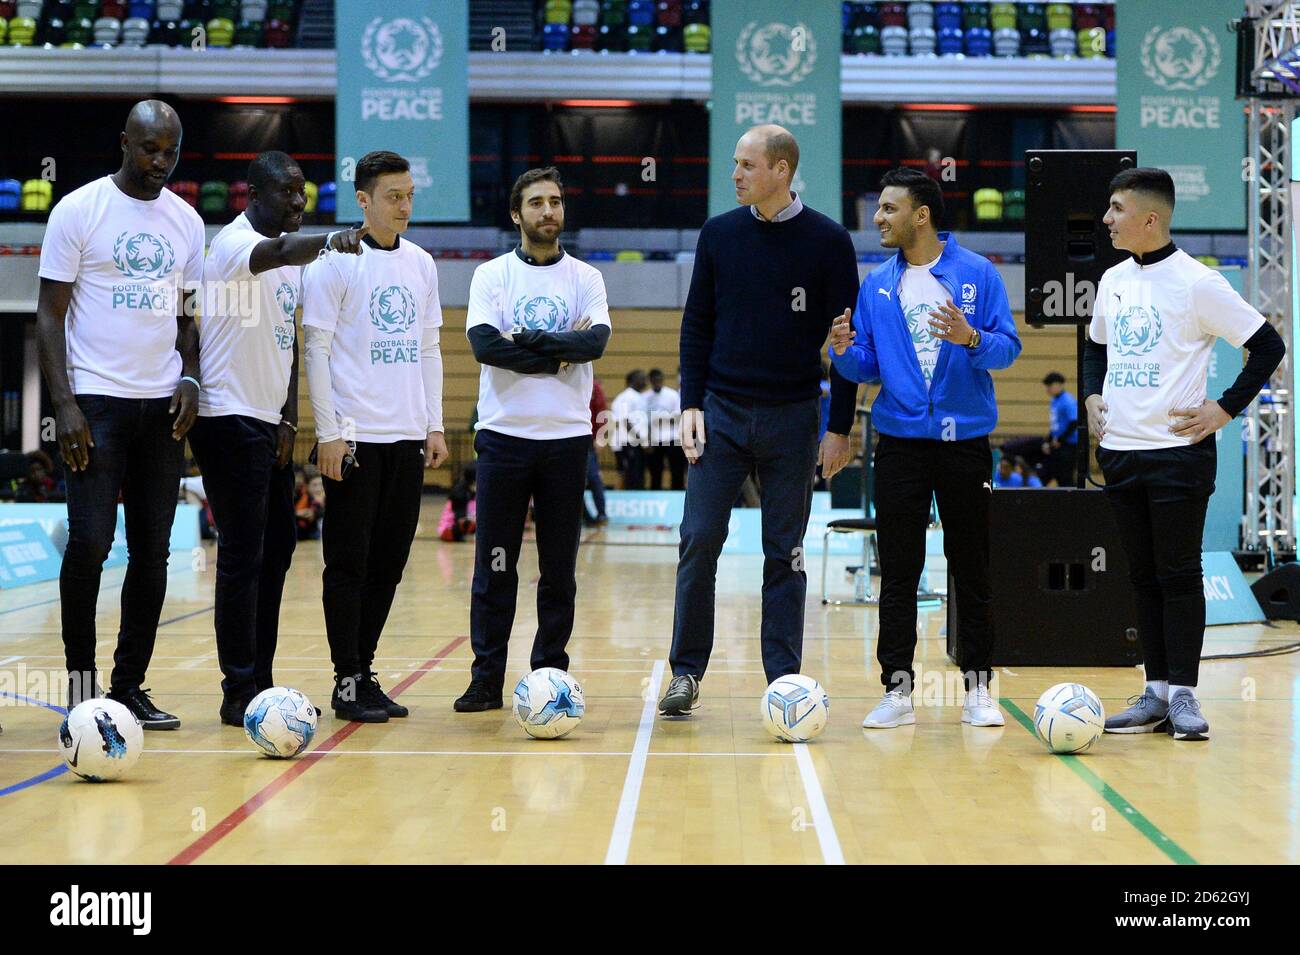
1068	718
795	708
100	739
548	703
280	721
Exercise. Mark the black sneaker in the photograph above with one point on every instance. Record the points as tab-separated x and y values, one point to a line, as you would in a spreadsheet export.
233	709
683	695
83	686
137	701
355	704
479	697
374	694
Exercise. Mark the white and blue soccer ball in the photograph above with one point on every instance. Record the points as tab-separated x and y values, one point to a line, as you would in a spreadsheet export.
548	703
1069	718
100	739
280	721
795	708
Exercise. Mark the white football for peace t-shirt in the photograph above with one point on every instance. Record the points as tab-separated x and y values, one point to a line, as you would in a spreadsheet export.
920	293
246	328
378	305
1158	323
128	260
511	295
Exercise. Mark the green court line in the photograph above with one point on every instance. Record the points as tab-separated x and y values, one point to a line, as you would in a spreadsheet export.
1125	808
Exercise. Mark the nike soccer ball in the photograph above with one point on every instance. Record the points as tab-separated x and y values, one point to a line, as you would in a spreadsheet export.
100	739
1068	718
280	721
548	703
795	708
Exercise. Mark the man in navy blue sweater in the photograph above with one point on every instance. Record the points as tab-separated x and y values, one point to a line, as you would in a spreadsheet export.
934	414
768	279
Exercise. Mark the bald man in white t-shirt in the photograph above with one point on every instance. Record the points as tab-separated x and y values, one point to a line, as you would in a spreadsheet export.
119	351
1155	320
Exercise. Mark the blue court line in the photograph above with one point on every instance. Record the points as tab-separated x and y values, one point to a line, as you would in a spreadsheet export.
58	770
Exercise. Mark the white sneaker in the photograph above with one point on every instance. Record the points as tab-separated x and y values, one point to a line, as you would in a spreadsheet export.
895	709
980	710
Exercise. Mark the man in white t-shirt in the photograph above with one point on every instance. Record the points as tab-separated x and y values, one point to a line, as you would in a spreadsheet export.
1154	322
537	319
374	370
120	354
664	408
628	430
248	414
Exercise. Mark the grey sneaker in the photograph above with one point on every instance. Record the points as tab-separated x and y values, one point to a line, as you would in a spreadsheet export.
894	709
1185	719
682	696
1146	714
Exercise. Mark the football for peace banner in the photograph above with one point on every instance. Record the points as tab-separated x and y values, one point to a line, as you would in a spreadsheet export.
777	62
403	85
1176	68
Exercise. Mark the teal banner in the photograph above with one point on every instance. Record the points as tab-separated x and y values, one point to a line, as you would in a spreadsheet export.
1176	67
777	62
1228	598
403	85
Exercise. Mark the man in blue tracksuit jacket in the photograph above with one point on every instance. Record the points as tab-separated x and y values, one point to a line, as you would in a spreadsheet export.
929	325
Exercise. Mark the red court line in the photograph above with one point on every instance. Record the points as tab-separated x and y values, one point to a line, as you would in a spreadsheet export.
296	769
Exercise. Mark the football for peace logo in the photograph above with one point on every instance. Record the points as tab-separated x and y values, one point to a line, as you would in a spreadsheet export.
1180	58
392	309
918	324
776	54
143	255
287	296
1137	330
401	49
542	313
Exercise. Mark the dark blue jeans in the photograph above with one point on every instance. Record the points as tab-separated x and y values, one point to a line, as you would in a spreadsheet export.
135	456
779	444
252	506
510	471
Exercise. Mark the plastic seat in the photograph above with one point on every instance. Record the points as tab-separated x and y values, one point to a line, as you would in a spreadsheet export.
108	30
213	196
641	13
978	41
1002	16
865	40
1092	43
555	37
988	205
1063	43
920	16
629	255
135	31
312	191
586	13
253	10
582	37
922	41
237	196
165	33
327	198
668	13
249	33
1060	16
1006	42
11	195
22	31
114	9
38	195
892	15
558	12
695	11
187	189
1013	205
639	39
950	41
27	9
221	32
893	40
696	37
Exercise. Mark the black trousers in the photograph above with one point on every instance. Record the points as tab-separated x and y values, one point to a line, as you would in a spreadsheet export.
512	470
675	457
1159	499
909	472
631	464
136	456
252	506
366	533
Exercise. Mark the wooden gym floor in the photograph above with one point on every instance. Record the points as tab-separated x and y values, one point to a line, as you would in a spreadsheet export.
444	787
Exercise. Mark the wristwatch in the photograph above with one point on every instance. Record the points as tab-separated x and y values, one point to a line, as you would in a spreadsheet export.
974	339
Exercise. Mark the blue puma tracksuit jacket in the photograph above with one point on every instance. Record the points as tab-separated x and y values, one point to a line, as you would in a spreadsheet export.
959	403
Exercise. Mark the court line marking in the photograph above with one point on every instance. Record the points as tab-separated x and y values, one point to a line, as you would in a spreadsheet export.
1121	805
51	773
102	590
546	750
832	854
621	838
227	825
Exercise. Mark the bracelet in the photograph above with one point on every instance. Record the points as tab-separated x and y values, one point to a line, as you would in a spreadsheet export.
329	238
195	380
290	424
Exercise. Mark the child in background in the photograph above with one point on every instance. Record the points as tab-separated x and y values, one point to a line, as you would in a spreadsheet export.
460	513
309	506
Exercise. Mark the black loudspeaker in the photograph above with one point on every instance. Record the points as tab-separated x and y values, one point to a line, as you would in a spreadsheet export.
1067	246
1278	592
1061	592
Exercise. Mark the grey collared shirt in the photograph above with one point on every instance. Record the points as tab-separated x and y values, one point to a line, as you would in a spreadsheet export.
789	212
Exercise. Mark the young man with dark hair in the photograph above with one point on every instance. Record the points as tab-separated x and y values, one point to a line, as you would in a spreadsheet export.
537	320
1146	363
120	354
768	278
934	414
248	414
375	372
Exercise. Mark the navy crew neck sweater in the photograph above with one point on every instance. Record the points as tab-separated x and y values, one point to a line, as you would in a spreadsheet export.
760	306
